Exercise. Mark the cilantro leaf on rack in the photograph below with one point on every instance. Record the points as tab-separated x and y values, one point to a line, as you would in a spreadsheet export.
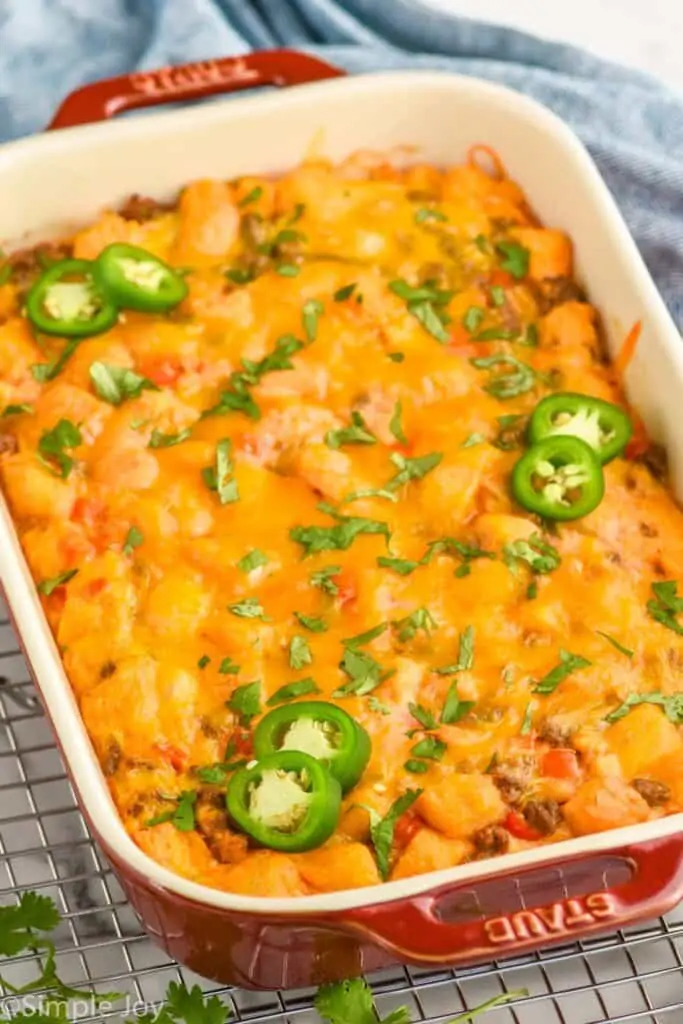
193	1007
347	1002
18	923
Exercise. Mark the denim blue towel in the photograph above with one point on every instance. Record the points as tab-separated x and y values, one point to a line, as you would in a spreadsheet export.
632	124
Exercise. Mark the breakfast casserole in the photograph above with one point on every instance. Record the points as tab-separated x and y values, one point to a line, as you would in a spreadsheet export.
358	562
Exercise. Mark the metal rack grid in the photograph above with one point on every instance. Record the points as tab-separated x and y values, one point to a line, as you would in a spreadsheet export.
632	975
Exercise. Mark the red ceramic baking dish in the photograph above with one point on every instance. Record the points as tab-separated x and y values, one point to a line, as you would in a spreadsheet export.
479	910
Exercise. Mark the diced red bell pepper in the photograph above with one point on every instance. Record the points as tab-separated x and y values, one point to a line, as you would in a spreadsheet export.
94	587
516	825
166	371
176	757
501	278
407	826
347	589
561	763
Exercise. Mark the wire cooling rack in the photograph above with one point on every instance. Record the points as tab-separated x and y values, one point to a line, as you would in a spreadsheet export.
632	975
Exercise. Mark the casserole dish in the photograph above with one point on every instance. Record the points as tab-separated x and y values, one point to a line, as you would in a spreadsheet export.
482	908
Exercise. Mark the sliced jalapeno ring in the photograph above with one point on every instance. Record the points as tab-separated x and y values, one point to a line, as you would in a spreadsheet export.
68	301
287	801
136	279
602	425
320	729
560	478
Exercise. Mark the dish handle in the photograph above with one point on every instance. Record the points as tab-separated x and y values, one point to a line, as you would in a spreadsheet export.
100	100
416	929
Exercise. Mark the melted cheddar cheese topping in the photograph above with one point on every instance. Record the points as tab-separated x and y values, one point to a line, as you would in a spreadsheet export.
314	453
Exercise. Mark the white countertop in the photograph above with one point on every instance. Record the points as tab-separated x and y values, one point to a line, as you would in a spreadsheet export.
647	35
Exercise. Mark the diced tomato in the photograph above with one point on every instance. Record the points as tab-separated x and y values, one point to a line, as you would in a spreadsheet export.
75	548
94	587
244	744
406	827
176	758
164	372
517	826
459	335
636	447
347	590
501	278
402	449
561	764
88	511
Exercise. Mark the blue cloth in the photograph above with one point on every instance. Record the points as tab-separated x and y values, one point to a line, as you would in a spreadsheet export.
632	124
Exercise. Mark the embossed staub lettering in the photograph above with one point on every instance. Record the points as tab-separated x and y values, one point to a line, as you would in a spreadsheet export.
555	919
206	72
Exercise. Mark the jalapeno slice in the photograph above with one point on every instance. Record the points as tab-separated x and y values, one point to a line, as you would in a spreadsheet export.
320	729
287	801
136	279
67	300
559	478
603	426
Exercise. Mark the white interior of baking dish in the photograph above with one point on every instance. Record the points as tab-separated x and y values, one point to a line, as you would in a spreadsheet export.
53	183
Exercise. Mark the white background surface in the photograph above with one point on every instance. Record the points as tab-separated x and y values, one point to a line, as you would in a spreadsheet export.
644	33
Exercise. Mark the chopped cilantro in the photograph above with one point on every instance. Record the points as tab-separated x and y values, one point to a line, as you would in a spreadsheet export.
342	294
249	608
568	663
540	556
323	579
472	440
54	443
310	313
160	440
251	197
395	424
407	628
228	667
116	383
356	433
615	643
666	606
299	652
427	213
299	688
424	716
412	469
382	831
245	701
254	559
134	539
514	258
472	319
465	654
219	476
339	537
505	385
672	705
430	747
48	586
311	623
